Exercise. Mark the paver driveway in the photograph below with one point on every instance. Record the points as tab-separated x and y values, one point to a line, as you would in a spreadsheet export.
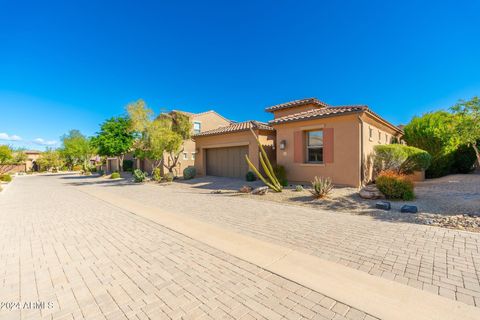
91	260
442	261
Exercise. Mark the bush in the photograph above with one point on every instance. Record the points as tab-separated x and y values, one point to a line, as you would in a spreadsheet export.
169	177
400	158
139	175
100	172
77	167
395	186
115	175
127	165
5	177
157	174
250	176
321	187
298	188
189	173
464	159
281	175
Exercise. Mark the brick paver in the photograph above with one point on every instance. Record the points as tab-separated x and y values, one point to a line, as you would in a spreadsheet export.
91	260
438	260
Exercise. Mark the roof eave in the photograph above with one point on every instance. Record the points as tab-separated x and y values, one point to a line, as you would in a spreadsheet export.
273	123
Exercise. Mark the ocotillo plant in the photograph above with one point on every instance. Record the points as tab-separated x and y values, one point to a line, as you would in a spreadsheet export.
272	181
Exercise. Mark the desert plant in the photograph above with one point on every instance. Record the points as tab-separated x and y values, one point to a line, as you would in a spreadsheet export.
272	181
169	176
321	187
395	186
400	158
250	176
77	167
157	174
281	174
5	178
115	175
139	175
298	188
189	173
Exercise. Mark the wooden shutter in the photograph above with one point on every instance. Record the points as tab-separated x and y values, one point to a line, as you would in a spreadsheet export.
298	147
328	142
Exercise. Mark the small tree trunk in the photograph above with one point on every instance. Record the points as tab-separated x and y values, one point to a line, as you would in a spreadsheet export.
477	152
120	164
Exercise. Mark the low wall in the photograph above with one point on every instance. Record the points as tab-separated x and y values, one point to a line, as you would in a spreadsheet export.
12	168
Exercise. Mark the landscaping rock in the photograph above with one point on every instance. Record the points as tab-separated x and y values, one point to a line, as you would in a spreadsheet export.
409	209
371	192
260	190
216	192
384	205
245	189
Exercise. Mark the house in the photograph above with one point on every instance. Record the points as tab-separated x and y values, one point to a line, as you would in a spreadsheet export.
201	122
308	137
31	162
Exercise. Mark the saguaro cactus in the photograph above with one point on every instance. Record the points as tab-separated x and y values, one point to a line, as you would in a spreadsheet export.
271	180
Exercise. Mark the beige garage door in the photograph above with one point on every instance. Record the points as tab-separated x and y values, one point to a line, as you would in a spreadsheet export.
227	162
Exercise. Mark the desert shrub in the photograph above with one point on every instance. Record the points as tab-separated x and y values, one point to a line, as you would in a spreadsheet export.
395	186
169	176
115	175
400	158
100	172
298	188
250	176
139	175
5	177
93	169
157	174
128	165
189	173
281	174
464	159
77	167
321	187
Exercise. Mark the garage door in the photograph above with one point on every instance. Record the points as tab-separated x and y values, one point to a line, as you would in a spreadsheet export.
227	162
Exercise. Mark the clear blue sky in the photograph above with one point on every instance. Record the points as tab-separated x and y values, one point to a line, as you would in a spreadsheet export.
72	64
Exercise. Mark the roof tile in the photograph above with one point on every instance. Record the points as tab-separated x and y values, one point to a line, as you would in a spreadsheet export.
318	113
236	127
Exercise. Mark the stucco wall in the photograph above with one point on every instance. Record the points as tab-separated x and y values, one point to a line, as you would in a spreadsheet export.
345	168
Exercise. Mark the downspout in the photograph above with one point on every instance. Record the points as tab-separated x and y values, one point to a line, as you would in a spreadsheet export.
362	165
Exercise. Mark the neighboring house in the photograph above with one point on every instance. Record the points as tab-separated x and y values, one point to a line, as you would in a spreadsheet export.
201	122
310	138
221	151
32	156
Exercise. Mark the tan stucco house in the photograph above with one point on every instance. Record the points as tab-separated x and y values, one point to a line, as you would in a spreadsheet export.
308	137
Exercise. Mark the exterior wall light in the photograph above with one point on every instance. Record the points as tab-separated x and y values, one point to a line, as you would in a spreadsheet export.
283	144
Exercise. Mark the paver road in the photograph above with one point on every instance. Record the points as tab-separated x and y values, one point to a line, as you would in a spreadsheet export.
89	260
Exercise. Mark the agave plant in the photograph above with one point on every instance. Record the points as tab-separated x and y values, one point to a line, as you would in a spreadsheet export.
321	187
271	180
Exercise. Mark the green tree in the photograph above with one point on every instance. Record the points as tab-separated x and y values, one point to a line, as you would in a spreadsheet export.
49	159
6	157
76	149
115	138
467	123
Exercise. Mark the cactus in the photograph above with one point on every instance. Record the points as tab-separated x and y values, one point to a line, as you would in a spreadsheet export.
321	187
271	180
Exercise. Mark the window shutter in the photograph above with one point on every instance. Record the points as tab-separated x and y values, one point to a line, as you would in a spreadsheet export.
328	145
298	146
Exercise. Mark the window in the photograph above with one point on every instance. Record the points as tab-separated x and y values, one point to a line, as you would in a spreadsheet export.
386	138
315	146
379	136
193	155
197	127
370	133
185	156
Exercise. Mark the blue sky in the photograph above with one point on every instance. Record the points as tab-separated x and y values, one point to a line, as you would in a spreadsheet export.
71	64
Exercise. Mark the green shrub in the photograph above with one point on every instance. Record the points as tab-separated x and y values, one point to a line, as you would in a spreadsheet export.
100	172
169	176
400	158
250	176
281	174
321	187
139	175
127	165
5	177
395	186
464	159
115	175
298	188
189	173
77	167
157	174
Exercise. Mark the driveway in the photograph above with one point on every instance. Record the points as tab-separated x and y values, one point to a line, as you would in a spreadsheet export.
67	255
441	261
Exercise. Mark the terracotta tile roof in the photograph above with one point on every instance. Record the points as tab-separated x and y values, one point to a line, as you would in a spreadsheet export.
297	103
319	113
237	127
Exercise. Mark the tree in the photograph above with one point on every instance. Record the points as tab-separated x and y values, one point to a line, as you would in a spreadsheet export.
115	138
10	157
76	149
467	123
49	159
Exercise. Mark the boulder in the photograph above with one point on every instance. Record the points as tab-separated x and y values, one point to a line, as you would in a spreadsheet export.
409	209
260	190
370	192
245	189
384	205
